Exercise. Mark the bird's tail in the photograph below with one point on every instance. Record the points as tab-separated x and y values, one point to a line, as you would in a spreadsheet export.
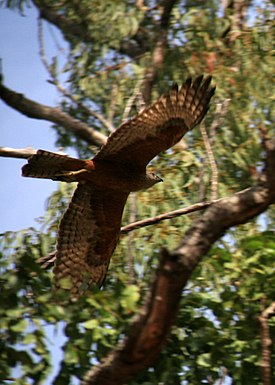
48	165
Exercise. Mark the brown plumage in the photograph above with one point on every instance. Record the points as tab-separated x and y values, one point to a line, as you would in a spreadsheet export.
89	230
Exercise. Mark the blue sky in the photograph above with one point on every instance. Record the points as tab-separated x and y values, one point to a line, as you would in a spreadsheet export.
23	199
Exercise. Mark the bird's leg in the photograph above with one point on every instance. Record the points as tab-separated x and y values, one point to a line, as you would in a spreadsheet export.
70	176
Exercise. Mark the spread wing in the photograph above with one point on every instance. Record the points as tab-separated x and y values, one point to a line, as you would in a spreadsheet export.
159	126
88	235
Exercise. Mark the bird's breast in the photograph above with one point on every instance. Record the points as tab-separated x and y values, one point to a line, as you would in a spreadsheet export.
114	176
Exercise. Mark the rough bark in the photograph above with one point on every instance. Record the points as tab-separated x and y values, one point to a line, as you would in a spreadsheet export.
36	110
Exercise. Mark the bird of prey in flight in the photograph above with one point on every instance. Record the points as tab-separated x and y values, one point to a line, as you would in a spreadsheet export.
89	230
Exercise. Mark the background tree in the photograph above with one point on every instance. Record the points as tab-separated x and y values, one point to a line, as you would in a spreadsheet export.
122	53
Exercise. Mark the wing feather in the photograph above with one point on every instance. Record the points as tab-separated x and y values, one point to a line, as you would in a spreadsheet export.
159	126
88	234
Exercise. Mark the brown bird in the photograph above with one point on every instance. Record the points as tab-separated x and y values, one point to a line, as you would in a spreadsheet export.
90	228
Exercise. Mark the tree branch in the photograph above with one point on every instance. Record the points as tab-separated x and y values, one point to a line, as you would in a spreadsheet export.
36	110
220	113
54	80
131	101
148	332
169	215
159	50
221	110
236	12
47	261
266	340
20	153
135	46
268	145
212	162
131	239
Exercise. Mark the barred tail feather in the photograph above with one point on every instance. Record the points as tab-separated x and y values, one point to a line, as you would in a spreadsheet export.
48	165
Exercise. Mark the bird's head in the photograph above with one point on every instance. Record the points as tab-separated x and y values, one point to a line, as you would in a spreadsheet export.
153	178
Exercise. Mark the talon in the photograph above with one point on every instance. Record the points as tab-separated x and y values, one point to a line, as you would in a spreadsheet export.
69	176
71	173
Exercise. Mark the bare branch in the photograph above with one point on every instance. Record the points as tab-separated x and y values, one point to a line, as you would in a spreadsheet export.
48	260
42	48
236	12
61	89
269	311
131	238
91	112
36	110
151	221
266	341
131	101
21	153
113	103
159	49
212	162
165	216
268	145
221	111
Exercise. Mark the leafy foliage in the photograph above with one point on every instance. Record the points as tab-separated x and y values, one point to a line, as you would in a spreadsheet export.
217	322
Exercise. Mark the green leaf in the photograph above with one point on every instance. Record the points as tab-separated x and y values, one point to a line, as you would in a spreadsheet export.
130	297
20	326
91	324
